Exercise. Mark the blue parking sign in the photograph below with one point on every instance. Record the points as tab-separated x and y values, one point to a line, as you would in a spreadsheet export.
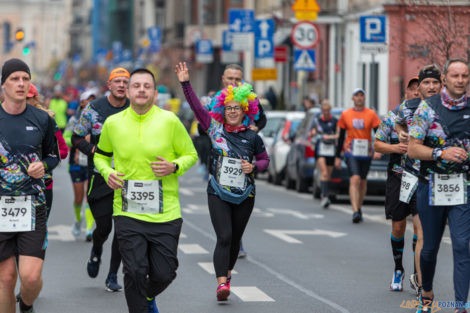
264	41
227	41
373	29
241	20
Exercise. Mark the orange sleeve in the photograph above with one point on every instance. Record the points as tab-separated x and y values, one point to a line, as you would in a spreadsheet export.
376	120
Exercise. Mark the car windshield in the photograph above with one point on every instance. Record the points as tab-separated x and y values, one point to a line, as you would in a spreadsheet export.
272	125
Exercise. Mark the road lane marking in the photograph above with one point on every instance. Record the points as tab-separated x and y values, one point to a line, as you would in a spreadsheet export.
60	232
276	274
295	213
186	192
209	267
192	249
183	235
251	294
285	234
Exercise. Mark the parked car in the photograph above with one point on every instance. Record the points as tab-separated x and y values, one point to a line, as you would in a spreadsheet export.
279	148
274	119
339	182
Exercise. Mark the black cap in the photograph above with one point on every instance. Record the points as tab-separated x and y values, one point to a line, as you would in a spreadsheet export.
13	65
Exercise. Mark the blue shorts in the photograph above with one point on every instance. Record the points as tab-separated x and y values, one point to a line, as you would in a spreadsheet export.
79	174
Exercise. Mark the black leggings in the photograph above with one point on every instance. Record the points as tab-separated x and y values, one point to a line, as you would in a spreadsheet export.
104	226
229	221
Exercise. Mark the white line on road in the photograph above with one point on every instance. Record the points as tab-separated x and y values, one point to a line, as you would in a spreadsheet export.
60	232
186	192
183	235
209	267
295	213
251	294
278	275
285	234
192	248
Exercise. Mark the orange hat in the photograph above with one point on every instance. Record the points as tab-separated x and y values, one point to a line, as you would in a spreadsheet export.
118	72
414	79
33	91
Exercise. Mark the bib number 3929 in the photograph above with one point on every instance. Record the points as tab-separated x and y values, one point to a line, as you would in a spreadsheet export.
142	196
231	173
448	189
16	214
409	183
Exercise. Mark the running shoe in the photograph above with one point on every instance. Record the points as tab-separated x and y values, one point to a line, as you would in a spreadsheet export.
223	291
397	281
152	306
18	299
242	253
360	214
30	310
93	265
112	284
77	228
89	236
228	281
325	202
414	283
356	218
424	305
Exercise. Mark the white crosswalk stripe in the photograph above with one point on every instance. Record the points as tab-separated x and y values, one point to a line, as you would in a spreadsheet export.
251	294
192	249
209	267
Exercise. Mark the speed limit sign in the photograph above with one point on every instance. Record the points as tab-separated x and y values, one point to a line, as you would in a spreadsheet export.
305	35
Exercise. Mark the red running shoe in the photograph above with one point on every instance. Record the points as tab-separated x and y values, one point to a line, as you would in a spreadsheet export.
223	291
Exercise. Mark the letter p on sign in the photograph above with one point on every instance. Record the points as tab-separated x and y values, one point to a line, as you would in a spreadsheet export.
372	29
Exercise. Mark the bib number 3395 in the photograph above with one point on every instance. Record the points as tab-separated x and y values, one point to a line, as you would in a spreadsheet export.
448	189
142	196
16	214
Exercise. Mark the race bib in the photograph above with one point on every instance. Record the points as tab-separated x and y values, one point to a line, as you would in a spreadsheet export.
16	214
231	173
82	158
142	196
326	150
360	147
448	189
409	183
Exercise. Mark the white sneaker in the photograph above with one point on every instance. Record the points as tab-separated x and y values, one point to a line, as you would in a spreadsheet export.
325	202
397	281
414	283
77	228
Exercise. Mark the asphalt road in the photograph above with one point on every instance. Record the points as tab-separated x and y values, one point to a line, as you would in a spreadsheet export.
301	259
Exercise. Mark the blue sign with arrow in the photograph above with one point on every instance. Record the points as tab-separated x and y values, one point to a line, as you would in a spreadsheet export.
264	42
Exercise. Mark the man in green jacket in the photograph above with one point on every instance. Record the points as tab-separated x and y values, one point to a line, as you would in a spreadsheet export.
151	148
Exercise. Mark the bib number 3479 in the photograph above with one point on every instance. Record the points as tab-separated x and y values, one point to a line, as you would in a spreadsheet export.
448	189
16	214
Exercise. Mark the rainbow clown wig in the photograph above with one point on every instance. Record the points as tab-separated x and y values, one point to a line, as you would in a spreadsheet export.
242	94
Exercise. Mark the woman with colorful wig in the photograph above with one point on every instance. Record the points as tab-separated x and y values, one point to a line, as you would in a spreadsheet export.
231	187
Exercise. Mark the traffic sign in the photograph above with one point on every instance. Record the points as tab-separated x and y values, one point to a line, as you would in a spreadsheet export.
155	36
204	51
280	54
304	60
241	20
227	41
305	35
306	9
373	29
264	74
264	41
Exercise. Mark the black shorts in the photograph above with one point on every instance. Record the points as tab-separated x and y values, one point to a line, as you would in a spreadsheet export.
358	166
31	243
394	208
330	161
79	174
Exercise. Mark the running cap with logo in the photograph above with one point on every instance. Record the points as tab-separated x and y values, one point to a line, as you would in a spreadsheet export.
357	90
33	91
414	79
429	73
14	65
118	72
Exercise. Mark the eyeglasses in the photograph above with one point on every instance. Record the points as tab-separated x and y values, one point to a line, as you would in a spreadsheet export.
236	108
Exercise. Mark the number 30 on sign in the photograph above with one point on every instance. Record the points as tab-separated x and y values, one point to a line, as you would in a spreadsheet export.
305	35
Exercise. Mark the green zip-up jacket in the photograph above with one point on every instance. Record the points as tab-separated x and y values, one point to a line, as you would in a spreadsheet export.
135	141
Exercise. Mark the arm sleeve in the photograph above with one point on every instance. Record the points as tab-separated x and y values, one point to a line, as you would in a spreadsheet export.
81	129
262	120
63	150
183	147
104	153
49	147
261	156
68	137
339	146
201	114
81	144
376	121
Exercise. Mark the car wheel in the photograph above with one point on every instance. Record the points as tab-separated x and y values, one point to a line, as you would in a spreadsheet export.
277	179
301	184
270	178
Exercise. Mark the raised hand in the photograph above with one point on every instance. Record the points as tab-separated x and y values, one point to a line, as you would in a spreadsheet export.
181	70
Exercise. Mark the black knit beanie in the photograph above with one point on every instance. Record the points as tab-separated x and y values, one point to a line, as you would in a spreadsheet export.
13	65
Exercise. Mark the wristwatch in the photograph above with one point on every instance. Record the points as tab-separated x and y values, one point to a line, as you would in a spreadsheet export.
176	167
437	154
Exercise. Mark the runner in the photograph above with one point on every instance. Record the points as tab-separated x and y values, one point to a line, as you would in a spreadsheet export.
231	188
325	129
100	196
440	138
151	148
78	171
397	208
27	145
358	122
59	106
429	84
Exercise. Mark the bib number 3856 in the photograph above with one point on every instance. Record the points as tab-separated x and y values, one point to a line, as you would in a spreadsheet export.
448	189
